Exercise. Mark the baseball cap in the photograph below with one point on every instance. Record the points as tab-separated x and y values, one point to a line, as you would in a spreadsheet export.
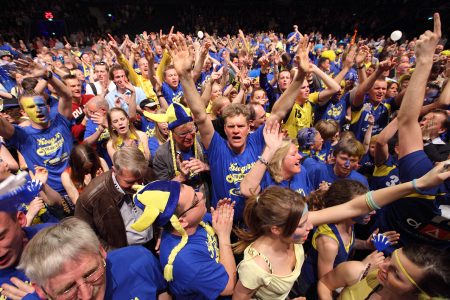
148	103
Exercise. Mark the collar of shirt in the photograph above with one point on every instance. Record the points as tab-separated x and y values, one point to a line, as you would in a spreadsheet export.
116	184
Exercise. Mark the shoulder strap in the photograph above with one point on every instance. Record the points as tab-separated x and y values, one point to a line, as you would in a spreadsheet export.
94	89
253	252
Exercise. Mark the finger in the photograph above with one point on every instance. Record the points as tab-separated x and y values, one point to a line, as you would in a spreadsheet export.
22	285
171	30
437	24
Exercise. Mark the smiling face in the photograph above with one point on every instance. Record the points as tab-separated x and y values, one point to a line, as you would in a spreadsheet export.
378	91
391	277
237	130
36	109
345	164
120	122
74	86
291	162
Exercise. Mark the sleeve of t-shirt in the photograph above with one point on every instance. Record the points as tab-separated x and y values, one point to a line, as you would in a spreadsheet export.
140	95
250	277
314	97
415	165
217	142
19	137
91	128
201	275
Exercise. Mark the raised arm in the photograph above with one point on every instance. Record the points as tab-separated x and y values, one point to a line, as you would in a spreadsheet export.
183	59
346	65
284	104
250	185
410	134
332	86
197	71
381	146
360	205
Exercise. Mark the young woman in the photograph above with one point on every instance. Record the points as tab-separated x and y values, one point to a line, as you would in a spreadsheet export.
278	222
282	161
84	165
413	272
124	134
332	244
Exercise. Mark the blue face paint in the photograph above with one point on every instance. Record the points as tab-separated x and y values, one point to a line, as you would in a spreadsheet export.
347	163
36	108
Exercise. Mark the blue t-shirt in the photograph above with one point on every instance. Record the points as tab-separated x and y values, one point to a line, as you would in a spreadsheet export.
416	217
6	274
91	128
385	175
153	145
197	273
172	95
360	115
148	127
133	272
228	168
49	148
325	172
300	183
333	110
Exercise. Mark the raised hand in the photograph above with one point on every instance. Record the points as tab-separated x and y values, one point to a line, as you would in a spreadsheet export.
41	174
304	65
31	68
163	39
362	54
113	44
427	42
350	58
272	135
182	55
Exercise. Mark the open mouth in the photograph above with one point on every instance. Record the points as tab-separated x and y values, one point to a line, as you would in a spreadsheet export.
4	258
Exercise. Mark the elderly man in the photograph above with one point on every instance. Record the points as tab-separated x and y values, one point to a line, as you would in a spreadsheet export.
106	203
66	261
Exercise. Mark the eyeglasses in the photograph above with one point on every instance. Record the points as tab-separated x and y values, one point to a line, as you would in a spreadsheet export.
185	133
195	202
92	279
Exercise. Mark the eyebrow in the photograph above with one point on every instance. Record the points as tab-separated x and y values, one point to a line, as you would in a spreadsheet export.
72	284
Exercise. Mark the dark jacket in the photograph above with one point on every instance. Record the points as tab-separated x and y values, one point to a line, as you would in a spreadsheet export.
99	205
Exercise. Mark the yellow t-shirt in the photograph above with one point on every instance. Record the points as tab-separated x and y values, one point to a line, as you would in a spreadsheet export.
269	286
361	289
301	116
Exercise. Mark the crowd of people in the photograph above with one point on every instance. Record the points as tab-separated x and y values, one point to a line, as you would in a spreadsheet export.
225	166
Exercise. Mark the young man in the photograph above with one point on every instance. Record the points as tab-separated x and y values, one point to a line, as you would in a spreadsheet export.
231	159
102	83
347	154
197	259
124	92
66	261
78	103
45	142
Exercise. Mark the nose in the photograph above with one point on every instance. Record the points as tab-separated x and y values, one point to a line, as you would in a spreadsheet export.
85	291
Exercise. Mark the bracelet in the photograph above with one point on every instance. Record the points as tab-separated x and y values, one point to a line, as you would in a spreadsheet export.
160	96
359	68
371	202
263	160
414	184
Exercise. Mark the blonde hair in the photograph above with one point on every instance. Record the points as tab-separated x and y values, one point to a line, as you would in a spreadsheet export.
327	128
158	134
276	163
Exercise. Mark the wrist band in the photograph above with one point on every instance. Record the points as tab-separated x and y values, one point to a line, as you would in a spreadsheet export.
359	68
370	202
414	184
262	160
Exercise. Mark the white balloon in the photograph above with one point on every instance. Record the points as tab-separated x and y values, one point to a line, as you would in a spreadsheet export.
200	34
396	35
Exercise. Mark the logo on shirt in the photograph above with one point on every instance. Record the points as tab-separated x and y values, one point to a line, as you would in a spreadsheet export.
49	146
213	247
